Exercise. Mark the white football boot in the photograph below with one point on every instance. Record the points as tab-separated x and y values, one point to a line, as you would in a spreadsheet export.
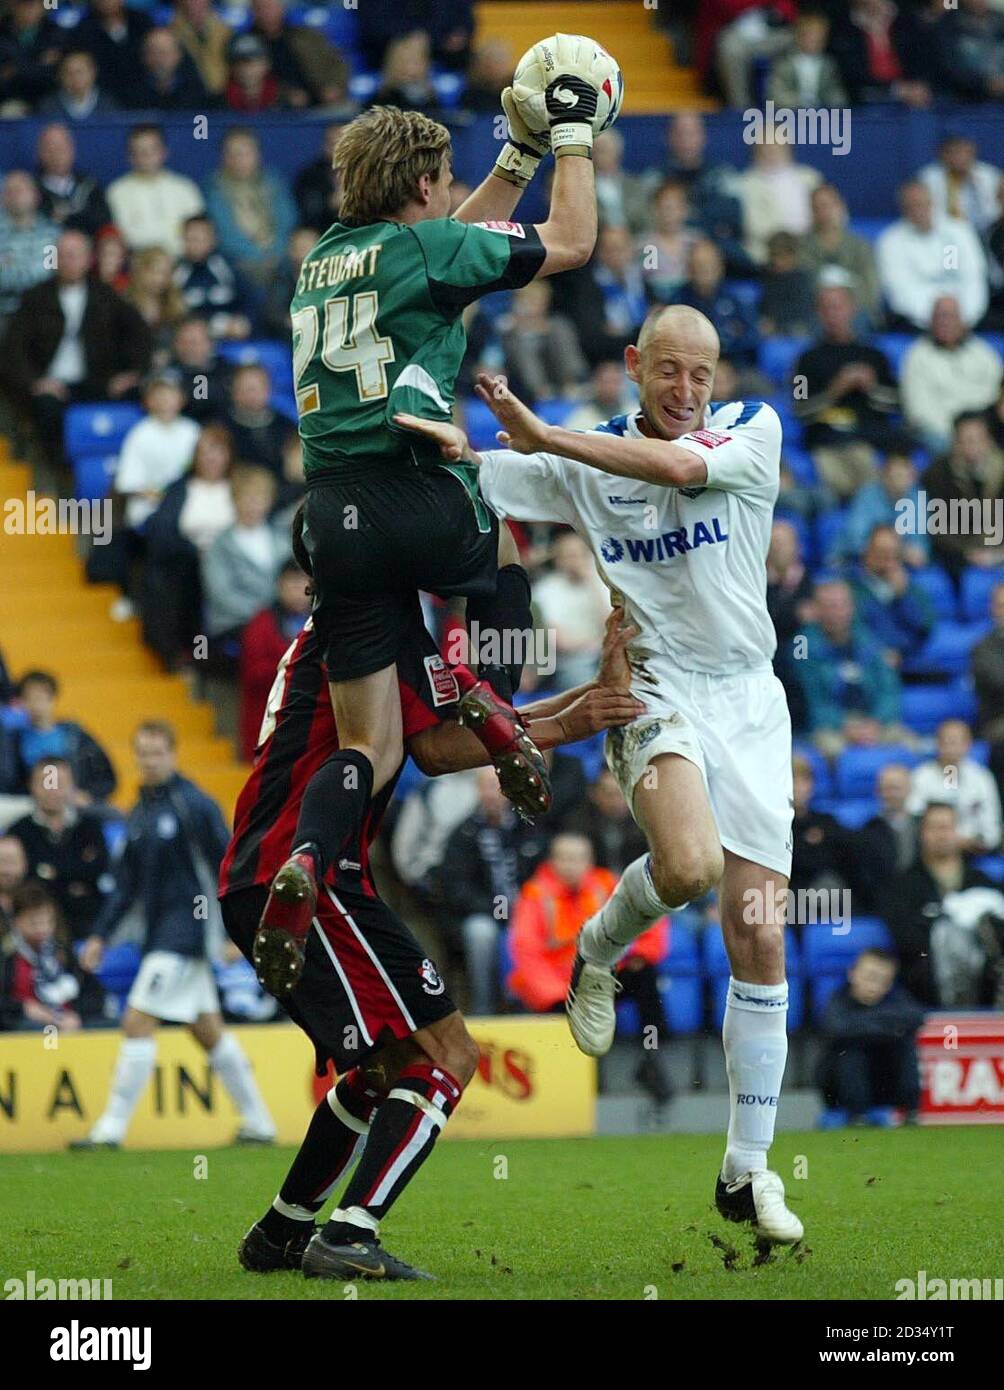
589	1004
758	1198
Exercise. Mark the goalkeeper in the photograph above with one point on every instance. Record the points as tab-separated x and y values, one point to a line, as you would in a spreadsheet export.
377	332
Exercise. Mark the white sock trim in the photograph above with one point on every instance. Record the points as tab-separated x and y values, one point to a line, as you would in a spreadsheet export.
356	1216
757	999
348	1120
420	1102
294	1213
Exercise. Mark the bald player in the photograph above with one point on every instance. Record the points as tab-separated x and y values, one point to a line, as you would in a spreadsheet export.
676	502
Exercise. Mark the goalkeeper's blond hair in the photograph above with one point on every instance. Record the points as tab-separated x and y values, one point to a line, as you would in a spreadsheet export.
380	158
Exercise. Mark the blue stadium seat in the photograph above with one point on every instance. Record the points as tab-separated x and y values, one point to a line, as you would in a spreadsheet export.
555	412
829	951
680	981
66	16
800	464
97	429
923	707
980	752
777	357
977	586
895	346
338	21
939	589
114	832
871	228
947	649
747	292
363	87
851	812
449	88
93	475
480	424
276	357
992	865
822	776
857	768
119	967
829	526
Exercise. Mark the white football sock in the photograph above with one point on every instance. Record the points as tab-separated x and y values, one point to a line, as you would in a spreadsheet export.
229	1059
132	1071
632	906
755	1038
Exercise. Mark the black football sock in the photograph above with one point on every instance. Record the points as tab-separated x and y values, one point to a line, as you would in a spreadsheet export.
325	1155
333	807
401	1137
504	630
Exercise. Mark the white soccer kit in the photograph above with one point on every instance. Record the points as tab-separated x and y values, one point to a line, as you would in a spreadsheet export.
689	566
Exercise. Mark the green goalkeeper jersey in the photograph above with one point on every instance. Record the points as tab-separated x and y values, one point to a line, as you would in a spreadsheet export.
377	330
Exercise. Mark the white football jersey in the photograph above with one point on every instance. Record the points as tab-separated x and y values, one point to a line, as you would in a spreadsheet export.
689	564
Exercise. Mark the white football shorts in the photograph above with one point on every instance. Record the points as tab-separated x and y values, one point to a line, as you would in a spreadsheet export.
737	730
174	988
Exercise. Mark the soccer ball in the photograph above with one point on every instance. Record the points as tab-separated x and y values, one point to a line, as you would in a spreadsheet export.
540	64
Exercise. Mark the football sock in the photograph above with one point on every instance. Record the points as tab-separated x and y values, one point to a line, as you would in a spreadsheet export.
632	906
755	1039
339	1122
229	1060
401	1137
333	806
132	1071
505	629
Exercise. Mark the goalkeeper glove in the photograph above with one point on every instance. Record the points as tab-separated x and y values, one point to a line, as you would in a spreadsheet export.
524	149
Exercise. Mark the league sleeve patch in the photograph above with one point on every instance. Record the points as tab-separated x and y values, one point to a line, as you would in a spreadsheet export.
442	682
709	438
506	228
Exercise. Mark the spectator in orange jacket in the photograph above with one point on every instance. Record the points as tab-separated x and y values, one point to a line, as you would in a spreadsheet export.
551	909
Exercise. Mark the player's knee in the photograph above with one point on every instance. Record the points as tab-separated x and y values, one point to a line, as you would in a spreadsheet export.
688	874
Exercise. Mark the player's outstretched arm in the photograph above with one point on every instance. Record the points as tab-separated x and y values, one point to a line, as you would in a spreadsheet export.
651	460
497	197
603	703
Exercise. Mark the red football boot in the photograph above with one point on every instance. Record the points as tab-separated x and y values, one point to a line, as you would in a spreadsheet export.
521	769
279	949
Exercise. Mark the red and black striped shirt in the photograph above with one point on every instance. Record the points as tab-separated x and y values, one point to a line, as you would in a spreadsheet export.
298	734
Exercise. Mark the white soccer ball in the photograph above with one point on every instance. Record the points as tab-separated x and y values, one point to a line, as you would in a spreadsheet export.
576	53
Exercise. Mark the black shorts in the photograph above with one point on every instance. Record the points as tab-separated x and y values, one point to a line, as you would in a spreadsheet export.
375	538
366	980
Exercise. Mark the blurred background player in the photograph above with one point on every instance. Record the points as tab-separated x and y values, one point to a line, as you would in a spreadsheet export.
175	838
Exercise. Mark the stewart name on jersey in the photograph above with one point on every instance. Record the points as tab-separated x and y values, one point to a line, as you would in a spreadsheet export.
377	330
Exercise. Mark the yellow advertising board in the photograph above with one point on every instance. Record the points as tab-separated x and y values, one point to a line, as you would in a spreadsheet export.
532	1081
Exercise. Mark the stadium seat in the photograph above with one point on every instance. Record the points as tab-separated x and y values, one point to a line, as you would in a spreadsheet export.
449	88
276	357
947	650
857	768
800	465
822	776
829	526
555	412
923	707
977	586
119	967
895	346
851	812
93	475
680	981
936	584
747	292
338	22
480	424
777	357
871	228
829	951
97	429
363	87
992	865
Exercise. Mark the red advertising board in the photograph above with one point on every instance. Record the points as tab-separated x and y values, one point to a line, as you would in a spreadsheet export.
962	1069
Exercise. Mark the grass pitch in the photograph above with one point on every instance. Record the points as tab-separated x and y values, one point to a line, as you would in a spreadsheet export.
613	1218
